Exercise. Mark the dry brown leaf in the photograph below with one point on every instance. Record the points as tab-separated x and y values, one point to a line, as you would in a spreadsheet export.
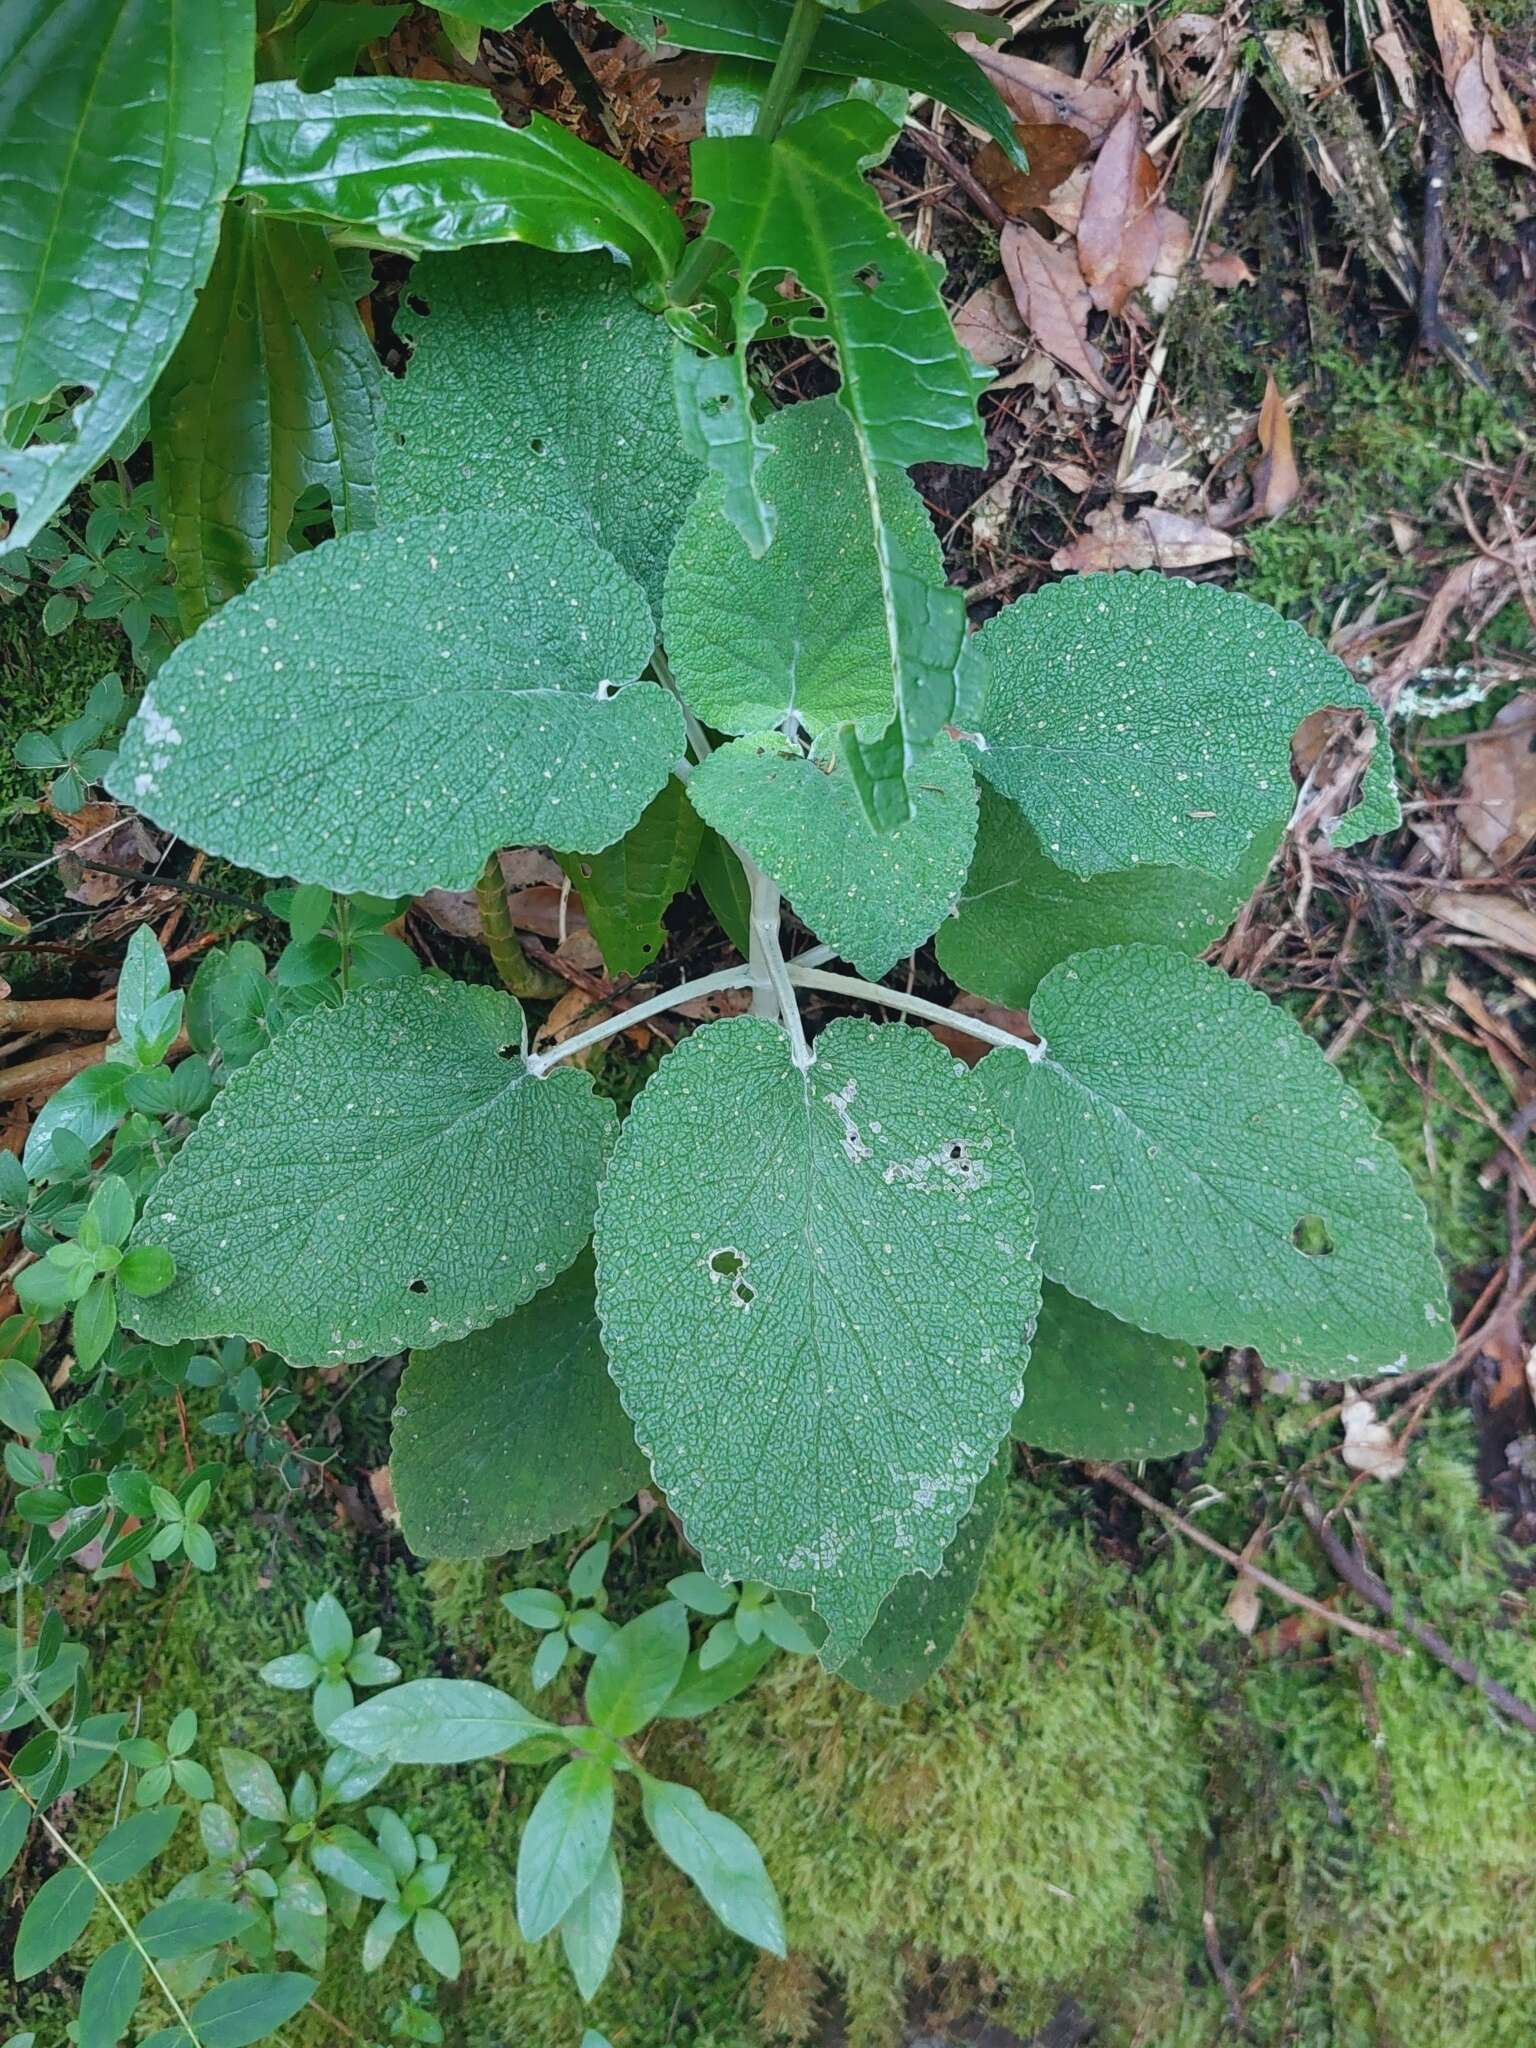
1053	301
1497	812
988	325
1225	269
1303	57
1152	540
1054	148
1039	92
1242	1605
1369	1445
1487	116
969	1049
129	844
382	1486
574	1012
1496	920
1392	52
1198	51
1072	474
1118	235
1276	479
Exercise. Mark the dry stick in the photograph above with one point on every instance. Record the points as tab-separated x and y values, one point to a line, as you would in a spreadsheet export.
1358	1576
952	167
32	1076
1113	1476
58	1013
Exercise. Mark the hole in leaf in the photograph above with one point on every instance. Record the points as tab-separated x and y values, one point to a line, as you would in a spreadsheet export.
869	277
741	1293
537	444
1310	1236
727	1263
417	304
509	1052
416	1287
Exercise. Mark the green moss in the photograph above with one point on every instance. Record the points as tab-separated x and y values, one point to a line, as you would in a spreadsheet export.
44	680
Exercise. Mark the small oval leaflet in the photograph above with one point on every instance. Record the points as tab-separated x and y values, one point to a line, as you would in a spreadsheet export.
821	1403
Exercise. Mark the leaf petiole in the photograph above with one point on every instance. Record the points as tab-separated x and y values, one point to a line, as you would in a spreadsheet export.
917	1006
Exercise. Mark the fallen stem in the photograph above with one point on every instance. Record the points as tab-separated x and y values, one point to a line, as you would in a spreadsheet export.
917	1006
1359	1577
58	1013
1123	1483
539	1063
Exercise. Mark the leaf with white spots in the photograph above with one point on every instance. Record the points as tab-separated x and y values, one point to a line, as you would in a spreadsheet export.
1019	914
874	896
577	379
1204	1173
1140	718
385	1174
1098	1388
384	712
816	1292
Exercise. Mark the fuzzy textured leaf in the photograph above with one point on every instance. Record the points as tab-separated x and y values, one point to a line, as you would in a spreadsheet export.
874	896
577	380
272	392
120	128
1019	914
1142	718
1187	1140
778	1256
1098	1388
389	1177
625	890
405	163
514	1434
383	713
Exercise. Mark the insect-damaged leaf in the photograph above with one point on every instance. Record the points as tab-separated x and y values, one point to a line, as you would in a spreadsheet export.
1204	1173
120	127
1142	718
577	379
271	393
383	713
1098	1388
815	1291
403	163
385	1174
874	896
515	1433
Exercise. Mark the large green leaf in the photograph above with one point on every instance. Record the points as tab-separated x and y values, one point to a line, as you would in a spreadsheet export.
513	1434
523	362
383	713
920	1619
721	1858
248	2008
386	1174
1019	914
874	896
626	889
800	205
400	163
109	1996
56	1916
120	128
1205	1174
271	392
801	631
589	1931
816	1291
437	1721
1141	718
1097	1388
563	1844
896	41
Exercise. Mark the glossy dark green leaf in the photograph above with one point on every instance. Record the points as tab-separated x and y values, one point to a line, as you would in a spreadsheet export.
626	889
120	130
516	1433
271	393
401	163
1097	1388
332	37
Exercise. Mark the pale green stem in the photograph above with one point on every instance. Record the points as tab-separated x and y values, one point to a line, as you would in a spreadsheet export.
706	985
772	992
916	1006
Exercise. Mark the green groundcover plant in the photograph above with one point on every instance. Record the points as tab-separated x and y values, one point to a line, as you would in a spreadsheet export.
574	581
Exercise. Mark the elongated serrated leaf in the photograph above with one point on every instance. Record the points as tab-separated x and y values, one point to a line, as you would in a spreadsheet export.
120	129
109	1996
589	1931
564	1843
1188	1141
381	714
391	1175
272	391
1099	1388
626	889
920	1619
577	380
803	631
721	1858
800	205
1019	914
514	1434
1140	718
437	1721
895	41
403	163
874	896
780	1261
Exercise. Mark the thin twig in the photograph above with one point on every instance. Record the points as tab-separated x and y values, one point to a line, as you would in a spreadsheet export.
1123	1483
1358	1576
952	167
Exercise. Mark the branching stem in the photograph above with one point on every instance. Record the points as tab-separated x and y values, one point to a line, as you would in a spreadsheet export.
706	985
773	993
917	1006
